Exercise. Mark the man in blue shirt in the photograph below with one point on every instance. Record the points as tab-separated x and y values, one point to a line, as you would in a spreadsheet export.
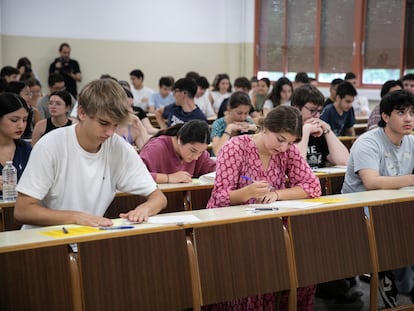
184	109
340	115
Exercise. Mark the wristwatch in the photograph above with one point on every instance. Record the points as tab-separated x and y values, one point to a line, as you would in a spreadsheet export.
326	131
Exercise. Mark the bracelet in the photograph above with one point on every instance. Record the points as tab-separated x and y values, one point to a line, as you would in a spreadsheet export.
326	131
168	179
227	133
277	194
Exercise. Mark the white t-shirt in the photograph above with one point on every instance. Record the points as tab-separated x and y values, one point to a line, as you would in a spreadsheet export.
361	105
139	95
218	99
203	102
64	176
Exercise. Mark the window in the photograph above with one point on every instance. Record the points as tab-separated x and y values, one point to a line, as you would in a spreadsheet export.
327	38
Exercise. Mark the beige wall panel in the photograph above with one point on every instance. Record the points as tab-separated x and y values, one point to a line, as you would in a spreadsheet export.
118	58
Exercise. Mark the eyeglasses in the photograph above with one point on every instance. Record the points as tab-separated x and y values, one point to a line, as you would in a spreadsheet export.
313	112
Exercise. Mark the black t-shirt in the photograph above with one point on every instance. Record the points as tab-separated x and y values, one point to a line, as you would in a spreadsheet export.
68	67
317	152
140	113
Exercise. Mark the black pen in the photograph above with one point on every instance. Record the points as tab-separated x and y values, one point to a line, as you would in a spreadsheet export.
266	209
65	231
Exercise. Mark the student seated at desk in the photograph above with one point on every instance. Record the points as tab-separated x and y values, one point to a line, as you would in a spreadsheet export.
184	109
387	87
59	105
253	169
134	132
177	154
319	145
340	115
235	122
280	95
382	159
13	117
74	172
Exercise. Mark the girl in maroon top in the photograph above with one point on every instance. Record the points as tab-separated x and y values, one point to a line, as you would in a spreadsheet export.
179	153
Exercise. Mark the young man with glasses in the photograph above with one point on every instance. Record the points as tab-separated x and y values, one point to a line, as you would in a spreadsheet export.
340	115
184	109
319	145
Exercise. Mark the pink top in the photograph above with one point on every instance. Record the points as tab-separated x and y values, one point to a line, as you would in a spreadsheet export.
159	156
240	157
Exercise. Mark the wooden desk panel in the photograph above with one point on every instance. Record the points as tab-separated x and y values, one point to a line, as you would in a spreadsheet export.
36	279
330	245
242	259
394	234
143	272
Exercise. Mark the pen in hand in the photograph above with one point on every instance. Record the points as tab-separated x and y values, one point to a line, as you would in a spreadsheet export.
252	180
248	178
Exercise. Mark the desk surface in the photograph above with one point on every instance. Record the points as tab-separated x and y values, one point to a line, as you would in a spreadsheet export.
27	239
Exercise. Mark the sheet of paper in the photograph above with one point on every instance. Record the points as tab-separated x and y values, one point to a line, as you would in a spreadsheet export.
184	219
333	169
208	178
408	188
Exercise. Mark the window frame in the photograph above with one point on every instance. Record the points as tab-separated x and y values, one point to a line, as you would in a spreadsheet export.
358	60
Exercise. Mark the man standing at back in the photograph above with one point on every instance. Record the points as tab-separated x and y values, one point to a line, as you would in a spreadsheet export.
67	67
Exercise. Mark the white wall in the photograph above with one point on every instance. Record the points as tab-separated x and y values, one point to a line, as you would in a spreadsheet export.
200	21
158	36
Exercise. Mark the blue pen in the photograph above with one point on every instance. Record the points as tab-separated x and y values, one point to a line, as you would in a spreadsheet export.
116	227
248	178
252	180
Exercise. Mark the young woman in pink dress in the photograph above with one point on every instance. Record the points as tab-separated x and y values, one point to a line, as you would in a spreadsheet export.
267	157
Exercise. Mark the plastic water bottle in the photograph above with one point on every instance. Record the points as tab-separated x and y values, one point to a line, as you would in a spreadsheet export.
9	174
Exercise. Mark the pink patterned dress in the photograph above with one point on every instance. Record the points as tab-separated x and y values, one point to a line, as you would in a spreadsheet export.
240	157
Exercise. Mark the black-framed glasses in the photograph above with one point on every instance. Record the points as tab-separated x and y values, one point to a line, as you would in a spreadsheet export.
313	112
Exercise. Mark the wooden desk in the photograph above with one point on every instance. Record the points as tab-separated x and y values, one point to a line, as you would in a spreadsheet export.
360	128
36	279
244	259
361	119
331	179
149	270
180	197
394	234
232	236
153	119
347	140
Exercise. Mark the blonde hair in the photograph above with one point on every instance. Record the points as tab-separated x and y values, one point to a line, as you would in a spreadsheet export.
105	97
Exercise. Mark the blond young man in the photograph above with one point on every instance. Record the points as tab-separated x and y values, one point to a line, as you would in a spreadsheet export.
74	172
